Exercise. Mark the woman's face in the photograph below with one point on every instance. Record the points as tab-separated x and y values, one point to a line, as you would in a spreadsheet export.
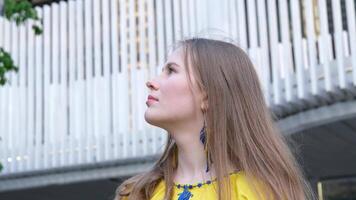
175	102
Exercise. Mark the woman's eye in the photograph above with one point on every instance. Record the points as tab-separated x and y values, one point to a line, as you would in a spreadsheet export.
170	70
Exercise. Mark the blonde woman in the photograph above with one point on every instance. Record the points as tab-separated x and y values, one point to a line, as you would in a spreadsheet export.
222	143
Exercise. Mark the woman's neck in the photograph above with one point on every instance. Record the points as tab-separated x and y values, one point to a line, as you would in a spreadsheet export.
191	160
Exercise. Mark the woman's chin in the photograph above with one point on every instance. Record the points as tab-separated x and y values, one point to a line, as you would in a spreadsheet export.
151	118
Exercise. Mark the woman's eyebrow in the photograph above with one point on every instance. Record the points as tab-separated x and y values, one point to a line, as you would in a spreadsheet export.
169	63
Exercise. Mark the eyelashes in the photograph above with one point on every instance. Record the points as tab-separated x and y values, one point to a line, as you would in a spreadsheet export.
170	70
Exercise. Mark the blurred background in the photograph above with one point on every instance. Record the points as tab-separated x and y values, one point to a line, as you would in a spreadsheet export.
72	87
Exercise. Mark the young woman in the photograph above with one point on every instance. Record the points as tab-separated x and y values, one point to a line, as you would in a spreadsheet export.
222	141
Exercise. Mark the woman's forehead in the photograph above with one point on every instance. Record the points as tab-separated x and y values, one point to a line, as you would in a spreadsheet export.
176	56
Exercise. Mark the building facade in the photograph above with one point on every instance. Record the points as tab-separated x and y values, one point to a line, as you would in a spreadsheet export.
73	114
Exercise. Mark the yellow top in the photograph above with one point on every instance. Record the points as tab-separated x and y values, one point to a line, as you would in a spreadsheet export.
240	190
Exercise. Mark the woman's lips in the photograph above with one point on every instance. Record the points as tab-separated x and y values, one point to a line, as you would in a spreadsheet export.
150	101
152	97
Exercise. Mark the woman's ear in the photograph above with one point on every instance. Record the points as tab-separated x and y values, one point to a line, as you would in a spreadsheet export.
204	107
204	104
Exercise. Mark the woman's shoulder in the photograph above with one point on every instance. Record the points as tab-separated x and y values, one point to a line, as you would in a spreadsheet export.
159	189
246	187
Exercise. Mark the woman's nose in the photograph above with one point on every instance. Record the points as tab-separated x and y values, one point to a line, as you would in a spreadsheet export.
152	85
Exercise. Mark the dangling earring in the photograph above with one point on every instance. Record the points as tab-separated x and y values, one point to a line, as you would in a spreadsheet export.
175	157
203	136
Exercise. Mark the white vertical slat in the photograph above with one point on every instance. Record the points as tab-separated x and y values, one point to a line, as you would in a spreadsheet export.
46	82
305	54
114	30
133	74
218	18
98	74
140	102
191	15
144	76
71	71
168	23
122	86
96	36
345	40
252	51
115	110
9	104
261	6
325	50
228	18
252	24
311	47
338	43
242	35
352	34
287	63
21	135
52	88
152	56
297	45
196	14
78	83
178	33
39	95
233	19
29	152
160	30
272	19
107	81
199	12
6	136
63	83
56	107
14	49
89	115
14	97
13	91
114	76
185	19
80	106
202	15
3	115
142	64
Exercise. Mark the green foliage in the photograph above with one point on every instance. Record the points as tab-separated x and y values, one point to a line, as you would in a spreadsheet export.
20	11
6	65
37	30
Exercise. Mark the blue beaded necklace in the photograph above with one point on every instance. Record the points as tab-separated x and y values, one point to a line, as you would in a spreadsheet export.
186	194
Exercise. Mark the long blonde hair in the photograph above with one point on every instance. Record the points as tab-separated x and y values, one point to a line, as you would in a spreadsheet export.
240	129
